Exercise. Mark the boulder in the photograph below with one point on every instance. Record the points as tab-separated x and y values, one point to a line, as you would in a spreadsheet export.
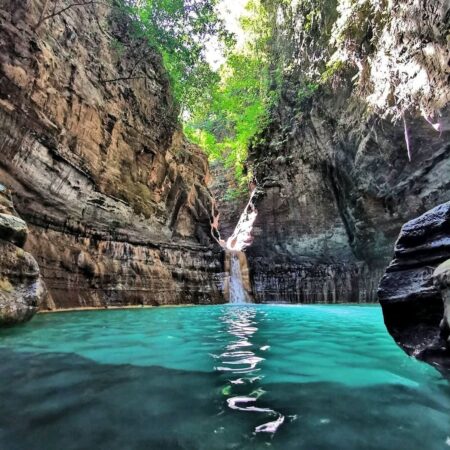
12	227
410	290
21	287
441	278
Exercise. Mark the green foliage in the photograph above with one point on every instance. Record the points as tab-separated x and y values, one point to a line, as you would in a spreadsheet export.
306	92
310	18
222	111
118	47
238	106
332	68
233	193
181	31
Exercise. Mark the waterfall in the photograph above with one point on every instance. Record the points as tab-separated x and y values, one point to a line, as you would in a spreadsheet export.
238	288
238	285
242	235
238	294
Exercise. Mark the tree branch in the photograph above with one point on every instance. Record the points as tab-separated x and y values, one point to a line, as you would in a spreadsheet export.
62	10
132	71
43	11
121	79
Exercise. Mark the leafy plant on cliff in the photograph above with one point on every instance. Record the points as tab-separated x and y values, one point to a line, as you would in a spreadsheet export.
300	32
238	106
223	110
181	31
355	34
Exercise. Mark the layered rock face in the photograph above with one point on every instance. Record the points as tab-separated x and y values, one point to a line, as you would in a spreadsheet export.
334	167
414	295
115	199
334	203
22	290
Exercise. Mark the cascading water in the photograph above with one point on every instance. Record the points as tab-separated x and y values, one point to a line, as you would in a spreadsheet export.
239	284
238	294
242	235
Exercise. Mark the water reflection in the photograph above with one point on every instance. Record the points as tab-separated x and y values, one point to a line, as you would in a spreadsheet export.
240	365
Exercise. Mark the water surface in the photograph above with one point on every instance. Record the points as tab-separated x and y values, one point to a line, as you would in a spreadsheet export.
224	377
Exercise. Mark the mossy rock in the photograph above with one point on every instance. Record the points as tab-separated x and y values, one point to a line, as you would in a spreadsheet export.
22	290
13	229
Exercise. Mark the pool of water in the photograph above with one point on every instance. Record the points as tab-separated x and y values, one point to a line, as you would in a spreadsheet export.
217	377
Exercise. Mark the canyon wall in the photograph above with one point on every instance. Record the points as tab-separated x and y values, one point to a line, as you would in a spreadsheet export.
333	166
115	198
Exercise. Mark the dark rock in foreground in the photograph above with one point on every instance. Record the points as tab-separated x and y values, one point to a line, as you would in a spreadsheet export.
441	278
410	296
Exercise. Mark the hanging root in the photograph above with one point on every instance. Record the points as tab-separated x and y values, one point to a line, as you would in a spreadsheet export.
215	233
408	144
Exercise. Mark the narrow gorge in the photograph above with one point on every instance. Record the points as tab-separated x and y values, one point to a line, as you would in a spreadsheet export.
279	170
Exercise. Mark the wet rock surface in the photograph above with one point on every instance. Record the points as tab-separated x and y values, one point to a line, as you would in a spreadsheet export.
441	278
337	206
414	290
337	181
115	199
231	199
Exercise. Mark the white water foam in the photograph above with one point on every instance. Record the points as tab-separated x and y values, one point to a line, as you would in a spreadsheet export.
238	295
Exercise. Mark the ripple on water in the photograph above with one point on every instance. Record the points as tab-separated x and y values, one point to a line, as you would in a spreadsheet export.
310	377
240	323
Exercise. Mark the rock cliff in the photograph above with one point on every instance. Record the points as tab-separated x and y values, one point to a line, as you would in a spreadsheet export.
115	199
441	280
362	90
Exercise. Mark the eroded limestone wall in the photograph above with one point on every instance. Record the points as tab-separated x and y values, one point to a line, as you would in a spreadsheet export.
115	198
333	163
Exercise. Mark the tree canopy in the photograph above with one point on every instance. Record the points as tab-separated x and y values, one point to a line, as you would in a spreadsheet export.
222	110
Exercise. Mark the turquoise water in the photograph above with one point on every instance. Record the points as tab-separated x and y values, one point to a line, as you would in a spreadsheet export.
217	377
